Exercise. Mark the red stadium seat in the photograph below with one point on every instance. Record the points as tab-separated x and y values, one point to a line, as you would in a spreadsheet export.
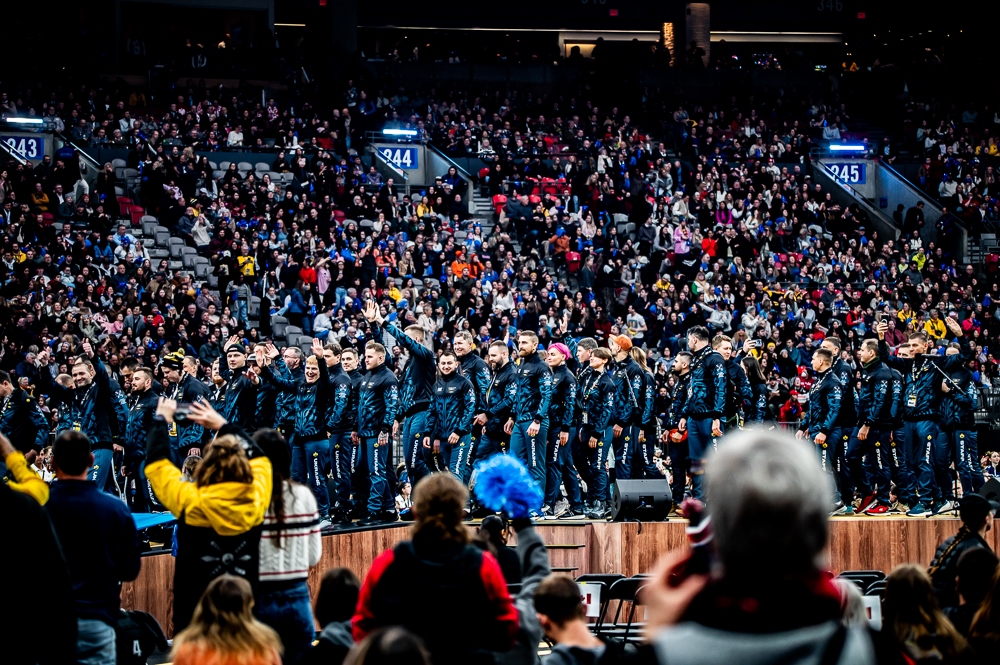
499	201
483	172
136	212
534	199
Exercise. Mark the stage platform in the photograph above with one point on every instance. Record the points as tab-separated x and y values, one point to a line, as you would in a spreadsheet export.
579	547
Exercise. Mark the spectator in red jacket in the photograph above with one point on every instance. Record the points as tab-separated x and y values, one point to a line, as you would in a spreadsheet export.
439	586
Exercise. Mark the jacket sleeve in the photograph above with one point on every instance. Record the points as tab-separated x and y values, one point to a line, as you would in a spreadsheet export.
323	392
339	402
901	364
951	363
743	388
432	417
25	480
880	393
968	397
568	407
481	380
534	559
51	387
40	422
419	352
364	621
271	378
832	408
391	406
468	411
718	378
504	626
545	392
603	420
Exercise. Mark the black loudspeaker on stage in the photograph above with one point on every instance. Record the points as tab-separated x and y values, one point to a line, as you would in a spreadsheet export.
642	500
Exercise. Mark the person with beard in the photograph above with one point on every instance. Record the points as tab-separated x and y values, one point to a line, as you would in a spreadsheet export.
450	417
704	407
90	407
378	404
501	396
181	375
528	426
141	409
673	437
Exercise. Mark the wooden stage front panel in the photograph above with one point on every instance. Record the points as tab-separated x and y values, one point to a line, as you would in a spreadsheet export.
856	543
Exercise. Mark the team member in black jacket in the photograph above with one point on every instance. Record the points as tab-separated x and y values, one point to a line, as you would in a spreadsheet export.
183	386
141	410
310	445
705	404
240	403
582	349
738	393
475	369
921	412
449	419
627	376
90	404
878	412
597	402
958	423
338	423
378	404
672	437
757	413
643	457
21	420
290	367
824	407
562	428
360	481
529	427
414	389
500	399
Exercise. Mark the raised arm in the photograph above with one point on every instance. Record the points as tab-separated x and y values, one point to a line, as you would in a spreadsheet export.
901	364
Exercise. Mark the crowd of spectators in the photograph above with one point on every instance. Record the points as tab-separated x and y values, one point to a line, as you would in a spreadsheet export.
729	231
960	154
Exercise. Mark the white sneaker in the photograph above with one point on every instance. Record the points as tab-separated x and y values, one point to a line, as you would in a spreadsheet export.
944	507
562	505
324	524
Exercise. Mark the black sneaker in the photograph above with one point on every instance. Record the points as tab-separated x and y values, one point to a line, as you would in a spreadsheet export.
388	517
369	520
572	514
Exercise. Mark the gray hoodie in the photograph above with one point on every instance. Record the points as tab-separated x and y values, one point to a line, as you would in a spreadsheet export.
693	644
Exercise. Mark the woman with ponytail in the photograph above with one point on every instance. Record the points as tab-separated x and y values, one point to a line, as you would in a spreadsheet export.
289	546
438	585
223	630
219	515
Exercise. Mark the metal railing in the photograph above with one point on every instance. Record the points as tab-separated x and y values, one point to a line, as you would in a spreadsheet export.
13	154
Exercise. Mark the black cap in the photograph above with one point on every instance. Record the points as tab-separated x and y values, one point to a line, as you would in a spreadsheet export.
239	348
974	507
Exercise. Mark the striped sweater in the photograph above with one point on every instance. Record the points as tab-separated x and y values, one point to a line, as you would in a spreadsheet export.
300	540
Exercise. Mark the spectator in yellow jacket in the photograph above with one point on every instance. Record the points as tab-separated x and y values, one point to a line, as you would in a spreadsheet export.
934	326
220	513
25	480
